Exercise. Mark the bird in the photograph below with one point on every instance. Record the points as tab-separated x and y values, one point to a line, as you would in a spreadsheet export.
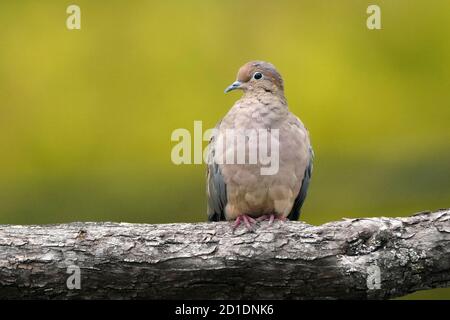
238	191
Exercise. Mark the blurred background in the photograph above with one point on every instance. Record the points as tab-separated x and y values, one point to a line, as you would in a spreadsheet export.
86	116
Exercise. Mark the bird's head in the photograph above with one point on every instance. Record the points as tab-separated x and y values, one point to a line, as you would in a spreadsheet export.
257	76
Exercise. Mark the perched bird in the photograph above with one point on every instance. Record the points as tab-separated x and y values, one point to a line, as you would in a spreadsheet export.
239	191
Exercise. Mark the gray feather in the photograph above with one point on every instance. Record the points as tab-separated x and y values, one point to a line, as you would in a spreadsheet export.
217	190
300	199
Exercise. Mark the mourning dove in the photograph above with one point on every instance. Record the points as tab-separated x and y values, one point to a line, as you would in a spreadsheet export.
239	191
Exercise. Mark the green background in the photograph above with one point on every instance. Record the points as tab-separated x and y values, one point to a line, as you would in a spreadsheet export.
86	116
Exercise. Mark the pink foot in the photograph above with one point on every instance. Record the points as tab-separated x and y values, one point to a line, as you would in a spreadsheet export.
271	218
247	220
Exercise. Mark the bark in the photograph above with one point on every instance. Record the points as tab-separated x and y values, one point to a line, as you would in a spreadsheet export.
372	258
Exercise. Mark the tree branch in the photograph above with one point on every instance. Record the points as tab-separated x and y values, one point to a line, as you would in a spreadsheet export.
373	258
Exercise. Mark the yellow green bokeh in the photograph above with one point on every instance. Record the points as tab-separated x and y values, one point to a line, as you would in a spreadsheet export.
86	115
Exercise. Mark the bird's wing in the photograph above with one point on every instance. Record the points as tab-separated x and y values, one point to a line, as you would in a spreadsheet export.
298	203
216	188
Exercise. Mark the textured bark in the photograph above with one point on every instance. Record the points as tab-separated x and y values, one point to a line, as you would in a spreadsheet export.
291	260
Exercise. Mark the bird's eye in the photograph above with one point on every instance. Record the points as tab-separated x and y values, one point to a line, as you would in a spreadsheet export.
257	75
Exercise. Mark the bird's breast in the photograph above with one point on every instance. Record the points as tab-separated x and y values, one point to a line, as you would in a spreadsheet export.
251	192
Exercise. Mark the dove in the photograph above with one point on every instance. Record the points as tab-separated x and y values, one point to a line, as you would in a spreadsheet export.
239	191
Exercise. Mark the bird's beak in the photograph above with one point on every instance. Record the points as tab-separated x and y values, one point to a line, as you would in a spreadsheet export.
235	85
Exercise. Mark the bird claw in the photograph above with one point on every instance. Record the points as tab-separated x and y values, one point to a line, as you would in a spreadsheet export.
247	220
271	218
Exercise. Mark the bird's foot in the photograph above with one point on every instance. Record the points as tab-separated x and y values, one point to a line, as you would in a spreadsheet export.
271	218
247	220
